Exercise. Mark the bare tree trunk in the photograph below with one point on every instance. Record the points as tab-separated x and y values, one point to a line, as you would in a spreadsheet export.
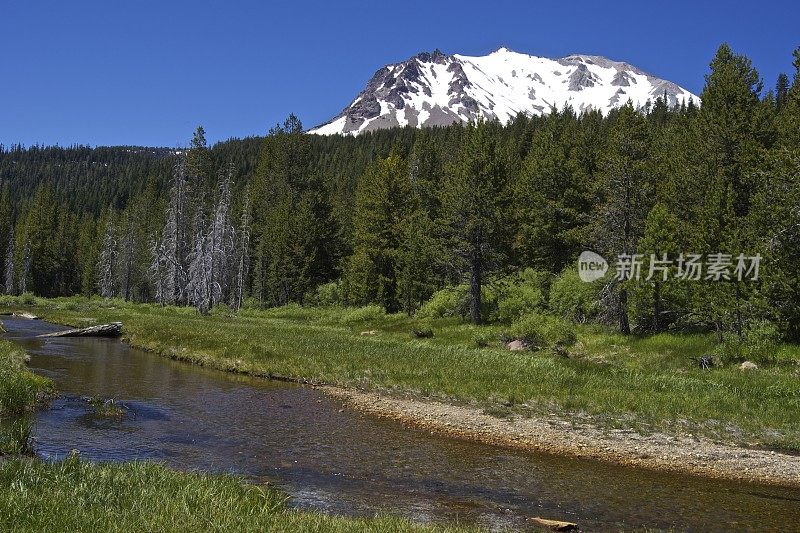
624	323
657	307
738	325
475	283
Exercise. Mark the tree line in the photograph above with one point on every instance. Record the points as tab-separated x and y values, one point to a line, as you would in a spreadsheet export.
394	217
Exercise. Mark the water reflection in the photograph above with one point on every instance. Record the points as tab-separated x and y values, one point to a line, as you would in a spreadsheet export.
341	462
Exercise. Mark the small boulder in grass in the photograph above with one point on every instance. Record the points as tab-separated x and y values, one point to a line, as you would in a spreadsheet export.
517	345
748	366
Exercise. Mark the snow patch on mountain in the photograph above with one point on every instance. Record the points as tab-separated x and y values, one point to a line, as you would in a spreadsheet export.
432	89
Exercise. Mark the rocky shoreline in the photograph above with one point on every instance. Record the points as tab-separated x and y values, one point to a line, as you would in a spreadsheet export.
656	451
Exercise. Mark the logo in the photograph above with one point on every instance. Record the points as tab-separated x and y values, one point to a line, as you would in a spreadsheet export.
591	266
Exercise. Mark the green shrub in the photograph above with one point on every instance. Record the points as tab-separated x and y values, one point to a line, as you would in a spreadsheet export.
28	298
481	339
574	299
326	295
448	302
759	343
363	314
522	294
422	333
454	302
541	332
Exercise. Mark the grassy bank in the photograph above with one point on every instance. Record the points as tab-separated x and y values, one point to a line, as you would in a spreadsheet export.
20	390
648	383
78	496
19	387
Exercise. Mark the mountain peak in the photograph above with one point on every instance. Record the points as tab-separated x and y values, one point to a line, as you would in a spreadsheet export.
434	89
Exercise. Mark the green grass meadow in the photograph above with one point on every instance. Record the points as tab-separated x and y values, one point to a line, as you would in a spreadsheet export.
77	496
646	383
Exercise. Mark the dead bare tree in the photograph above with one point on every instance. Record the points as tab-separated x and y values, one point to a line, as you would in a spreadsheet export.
221	240
200	267
166	269
107	260
242	256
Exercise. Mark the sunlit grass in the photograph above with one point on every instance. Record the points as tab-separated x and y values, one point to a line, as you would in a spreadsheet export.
19	387
648	383
20	390
78	496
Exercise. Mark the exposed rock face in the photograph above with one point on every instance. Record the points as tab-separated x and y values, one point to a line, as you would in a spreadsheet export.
581	78
434	89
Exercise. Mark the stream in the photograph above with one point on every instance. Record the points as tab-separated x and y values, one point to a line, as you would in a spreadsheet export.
339	461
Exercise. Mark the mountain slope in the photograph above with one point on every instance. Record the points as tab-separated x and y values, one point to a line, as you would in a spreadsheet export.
437	89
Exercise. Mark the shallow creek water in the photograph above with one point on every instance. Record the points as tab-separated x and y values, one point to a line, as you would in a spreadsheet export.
339	461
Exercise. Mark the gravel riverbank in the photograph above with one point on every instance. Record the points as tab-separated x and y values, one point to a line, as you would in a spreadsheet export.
693	455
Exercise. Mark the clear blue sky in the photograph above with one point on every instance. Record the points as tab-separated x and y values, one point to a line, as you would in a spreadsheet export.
147	73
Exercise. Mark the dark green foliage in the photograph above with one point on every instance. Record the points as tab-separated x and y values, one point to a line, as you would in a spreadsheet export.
382	212
446	221
572	299
475	219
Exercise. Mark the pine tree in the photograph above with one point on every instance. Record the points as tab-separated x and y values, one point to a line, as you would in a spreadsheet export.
475	202
380	211
781	91
659	248
198	160
293	230
417	257
625	205
551	198
88	250
126	257
9	264
729	139
24	275
788	120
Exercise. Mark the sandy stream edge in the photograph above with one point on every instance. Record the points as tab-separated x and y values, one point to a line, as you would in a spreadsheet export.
698	456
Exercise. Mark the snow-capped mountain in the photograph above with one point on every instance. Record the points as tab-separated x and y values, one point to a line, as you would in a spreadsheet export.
437	89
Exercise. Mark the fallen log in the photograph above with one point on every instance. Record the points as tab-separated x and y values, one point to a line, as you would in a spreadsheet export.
103	330
555	525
